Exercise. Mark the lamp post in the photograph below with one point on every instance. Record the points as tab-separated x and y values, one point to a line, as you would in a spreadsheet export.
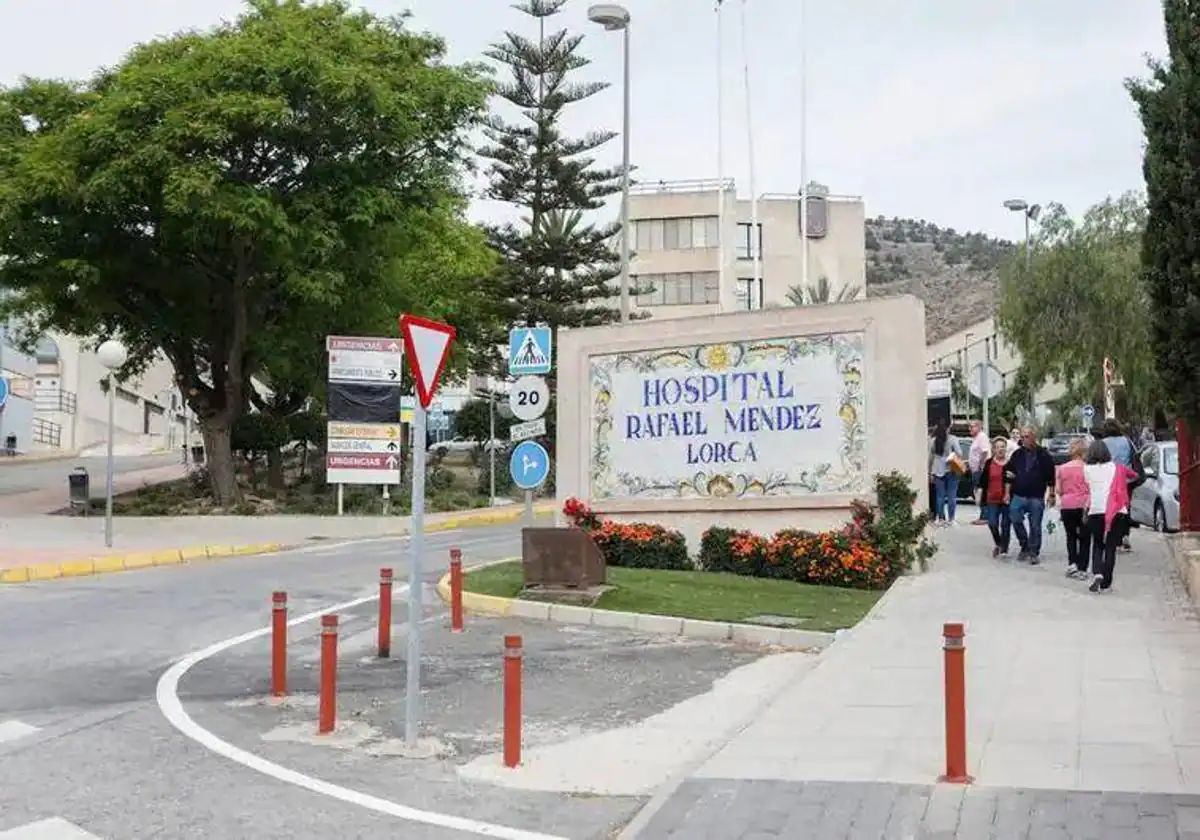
1031	213
112	355
616	18
966	369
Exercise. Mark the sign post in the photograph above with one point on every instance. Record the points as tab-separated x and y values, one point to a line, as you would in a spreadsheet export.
1086	415
530	357
427	345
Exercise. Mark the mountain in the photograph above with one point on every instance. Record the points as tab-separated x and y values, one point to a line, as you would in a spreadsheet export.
955	273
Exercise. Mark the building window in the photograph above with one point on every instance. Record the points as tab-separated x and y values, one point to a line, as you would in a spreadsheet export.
682	289
682	234
750	293
745	245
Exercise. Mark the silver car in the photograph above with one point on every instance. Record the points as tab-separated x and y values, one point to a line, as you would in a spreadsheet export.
1156	502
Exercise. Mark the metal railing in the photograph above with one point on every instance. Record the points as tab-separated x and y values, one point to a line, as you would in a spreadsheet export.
55	400
46	432
701	185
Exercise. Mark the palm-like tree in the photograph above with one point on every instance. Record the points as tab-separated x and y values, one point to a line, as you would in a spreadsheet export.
821	292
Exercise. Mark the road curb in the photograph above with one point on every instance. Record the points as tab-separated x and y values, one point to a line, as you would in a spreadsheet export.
127	562
108	564
713	631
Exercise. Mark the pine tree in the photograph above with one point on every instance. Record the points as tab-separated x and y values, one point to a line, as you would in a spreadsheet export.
558	267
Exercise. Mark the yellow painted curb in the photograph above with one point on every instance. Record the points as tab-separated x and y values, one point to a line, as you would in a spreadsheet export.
468	519
473	601
125	562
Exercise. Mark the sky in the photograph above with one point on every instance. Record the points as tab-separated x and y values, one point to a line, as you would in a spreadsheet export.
936	109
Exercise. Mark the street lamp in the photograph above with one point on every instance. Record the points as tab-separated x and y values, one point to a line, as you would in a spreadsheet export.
1031	211
112	354
616	18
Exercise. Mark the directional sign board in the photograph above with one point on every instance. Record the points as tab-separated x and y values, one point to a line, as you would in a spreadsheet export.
529	465
529	398
529	351
3	391
370	361
362	453
525	431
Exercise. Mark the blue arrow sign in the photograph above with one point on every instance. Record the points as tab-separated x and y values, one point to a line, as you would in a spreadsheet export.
3	391
1087	412
529	351
529	465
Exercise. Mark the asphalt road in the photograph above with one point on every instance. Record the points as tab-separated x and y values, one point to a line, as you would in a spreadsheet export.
80	659
38	475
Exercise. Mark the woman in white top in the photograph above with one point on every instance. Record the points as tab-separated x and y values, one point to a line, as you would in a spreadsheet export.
1108	511
945	480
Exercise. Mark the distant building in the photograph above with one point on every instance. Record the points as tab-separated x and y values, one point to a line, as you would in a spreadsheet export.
676	238
982	342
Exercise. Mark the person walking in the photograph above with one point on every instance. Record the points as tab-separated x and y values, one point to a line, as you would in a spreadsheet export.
1108	510
1073	499
1124	452
1030	473
943	455
993	489
981	450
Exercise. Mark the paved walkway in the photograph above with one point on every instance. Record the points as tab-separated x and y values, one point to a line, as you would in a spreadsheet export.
1067	691
55	496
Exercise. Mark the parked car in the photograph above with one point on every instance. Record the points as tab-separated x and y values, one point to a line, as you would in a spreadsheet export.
1156	502
461	445
1059	446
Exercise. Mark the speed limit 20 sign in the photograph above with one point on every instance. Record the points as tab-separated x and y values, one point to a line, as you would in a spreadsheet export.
529	398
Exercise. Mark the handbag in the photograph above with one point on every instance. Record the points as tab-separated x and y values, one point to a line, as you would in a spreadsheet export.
956	464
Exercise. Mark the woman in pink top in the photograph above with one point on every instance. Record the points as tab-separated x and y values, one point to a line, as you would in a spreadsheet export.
1072	490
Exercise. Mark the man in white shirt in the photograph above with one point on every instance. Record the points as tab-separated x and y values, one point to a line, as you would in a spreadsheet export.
981	448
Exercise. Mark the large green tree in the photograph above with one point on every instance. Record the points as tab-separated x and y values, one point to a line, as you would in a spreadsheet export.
558	265
1169	104
213	193
1081	300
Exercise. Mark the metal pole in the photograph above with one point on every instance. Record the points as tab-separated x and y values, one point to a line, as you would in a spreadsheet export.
187	431
387	500
528	508
755	238
984	391
491	449
625	232
341	499
1028	250
803	148
108	489
412	684
722	253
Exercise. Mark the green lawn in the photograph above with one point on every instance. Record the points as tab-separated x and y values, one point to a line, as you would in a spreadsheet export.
705	595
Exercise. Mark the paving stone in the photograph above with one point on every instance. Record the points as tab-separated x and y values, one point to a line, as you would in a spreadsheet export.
778	810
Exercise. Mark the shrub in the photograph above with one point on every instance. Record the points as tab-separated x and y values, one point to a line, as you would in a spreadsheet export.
635	545
833	558
897	533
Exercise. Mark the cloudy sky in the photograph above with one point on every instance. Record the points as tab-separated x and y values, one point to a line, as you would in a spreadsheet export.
938	109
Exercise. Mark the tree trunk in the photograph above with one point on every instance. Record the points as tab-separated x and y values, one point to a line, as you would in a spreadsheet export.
222	474
1189	476
275	468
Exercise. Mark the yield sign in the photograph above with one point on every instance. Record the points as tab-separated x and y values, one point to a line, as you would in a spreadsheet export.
427	344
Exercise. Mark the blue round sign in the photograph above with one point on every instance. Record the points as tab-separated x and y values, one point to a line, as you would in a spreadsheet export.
529	465
3	391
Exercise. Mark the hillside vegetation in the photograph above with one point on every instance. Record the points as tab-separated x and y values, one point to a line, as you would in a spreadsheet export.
955	273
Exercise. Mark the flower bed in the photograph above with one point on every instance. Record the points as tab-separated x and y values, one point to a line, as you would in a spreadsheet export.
873	549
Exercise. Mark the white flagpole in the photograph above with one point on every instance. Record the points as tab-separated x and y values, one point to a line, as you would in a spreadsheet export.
755	254
724	292
803	149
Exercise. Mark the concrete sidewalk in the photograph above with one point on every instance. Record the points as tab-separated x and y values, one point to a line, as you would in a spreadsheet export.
1066	691
50	499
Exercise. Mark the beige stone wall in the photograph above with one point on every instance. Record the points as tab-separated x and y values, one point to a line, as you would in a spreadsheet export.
880	412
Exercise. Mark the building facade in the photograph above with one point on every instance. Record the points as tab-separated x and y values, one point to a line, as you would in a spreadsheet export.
981	342
677	237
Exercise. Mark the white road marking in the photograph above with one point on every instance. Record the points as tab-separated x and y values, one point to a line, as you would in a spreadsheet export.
11	730
51	829
167	695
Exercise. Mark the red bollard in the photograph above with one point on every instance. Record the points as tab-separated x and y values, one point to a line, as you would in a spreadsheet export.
327	710
456	584
512	700
385	613
956	704
279	644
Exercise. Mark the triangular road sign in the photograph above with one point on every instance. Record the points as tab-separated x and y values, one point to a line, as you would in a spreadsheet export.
427	345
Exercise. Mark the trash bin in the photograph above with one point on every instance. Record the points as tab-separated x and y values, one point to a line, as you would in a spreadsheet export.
10	445
79	487
198	454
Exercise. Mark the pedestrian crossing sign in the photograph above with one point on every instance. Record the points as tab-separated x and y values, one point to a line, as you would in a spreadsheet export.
529	351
